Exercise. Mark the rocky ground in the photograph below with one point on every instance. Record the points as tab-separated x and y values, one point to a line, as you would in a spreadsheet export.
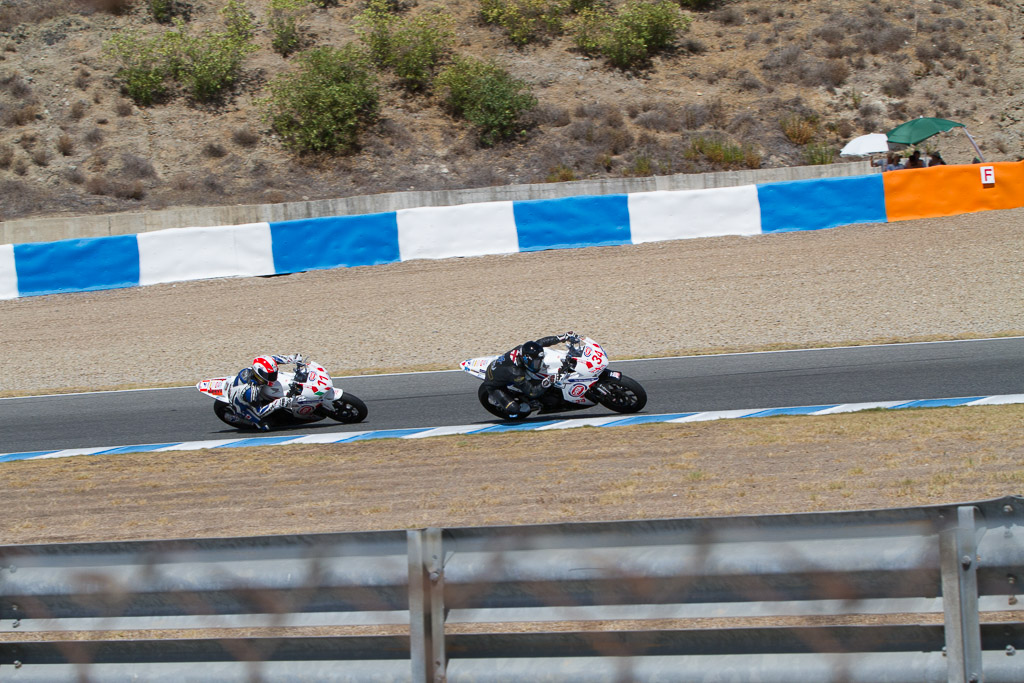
746	72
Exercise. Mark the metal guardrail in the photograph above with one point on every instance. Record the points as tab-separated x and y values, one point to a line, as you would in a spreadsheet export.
98	603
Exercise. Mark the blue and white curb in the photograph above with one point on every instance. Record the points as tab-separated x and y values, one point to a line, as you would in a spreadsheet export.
538	426
478	229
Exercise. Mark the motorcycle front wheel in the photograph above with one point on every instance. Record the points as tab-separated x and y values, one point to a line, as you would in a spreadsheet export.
623	395
348	409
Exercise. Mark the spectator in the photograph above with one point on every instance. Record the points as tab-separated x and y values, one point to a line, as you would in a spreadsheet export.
935	159
892	162
915	160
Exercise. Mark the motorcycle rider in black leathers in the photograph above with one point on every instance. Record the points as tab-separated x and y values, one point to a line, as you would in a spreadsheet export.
520	368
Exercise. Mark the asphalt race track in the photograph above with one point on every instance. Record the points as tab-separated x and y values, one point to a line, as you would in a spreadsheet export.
699	383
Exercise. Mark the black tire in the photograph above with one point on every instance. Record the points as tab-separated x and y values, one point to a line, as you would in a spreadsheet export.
625	395
226	415
348	409
481	394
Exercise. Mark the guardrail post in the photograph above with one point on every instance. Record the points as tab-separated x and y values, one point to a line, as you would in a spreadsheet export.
958	560
426	606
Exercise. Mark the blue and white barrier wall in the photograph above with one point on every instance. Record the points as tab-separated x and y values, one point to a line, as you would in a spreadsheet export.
502	227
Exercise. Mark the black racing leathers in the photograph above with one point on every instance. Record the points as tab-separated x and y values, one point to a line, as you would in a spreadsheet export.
510	387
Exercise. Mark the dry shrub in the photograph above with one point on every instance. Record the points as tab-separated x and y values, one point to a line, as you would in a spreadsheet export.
74	175
21	115
66	145
94	136
123	108
561	174
133	189
830	74
798	129
40	156
748	81
133	166
662	119
273	197
214	150
82	78
6	156
183	182
16	85
595	110
898	85
614	118
78	109
830	33
887	40
551	115
728	16
33	12
718	113
20	166
695	116
111	6
246	137
97	184
693	46
213	184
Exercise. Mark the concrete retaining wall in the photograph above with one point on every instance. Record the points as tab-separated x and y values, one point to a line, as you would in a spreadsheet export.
21	231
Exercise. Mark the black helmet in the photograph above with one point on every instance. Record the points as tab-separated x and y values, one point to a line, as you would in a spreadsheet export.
532	354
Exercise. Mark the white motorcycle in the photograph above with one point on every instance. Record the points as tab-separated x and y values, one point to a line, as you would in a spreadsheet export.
573	379
314	392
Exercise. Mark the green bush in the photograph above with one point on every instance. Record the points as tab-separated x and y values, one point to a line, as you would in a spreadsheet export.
285	21
211	63
324	105
143	70
627	38
205	65
816	153
374	28
525	20
240	22
418	45
162	10
724	152
412	47
487	96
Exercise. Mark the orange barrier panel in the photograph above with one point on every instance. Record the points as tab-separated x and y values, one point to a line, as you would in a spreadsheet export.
953	189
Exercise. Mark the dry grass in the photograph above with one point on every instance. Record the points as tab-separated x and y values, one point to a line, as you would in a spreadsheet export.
868	460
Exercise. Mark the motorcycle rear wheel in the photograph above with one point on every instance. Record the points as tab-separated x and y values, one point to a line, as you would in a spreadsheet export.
482	396
625	395
226	415
348	409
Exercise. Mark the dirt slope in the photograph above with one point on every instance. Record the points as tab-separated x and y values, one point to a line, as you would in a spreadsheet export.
833	69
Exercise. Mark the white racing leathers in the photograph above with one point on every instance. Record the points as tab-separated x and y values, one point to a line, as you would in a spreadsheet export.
254	400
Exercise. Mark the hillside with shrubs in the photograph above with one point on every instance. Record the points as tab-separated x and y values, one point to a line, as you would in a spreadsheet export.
133	105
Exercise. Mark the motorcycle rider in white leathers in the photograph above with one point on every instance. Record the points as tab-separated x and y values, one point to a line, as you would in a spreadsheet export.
255	392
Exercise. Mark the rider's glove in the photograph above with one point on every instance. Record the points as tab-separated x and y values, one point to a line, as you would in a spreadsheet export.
298	359
294	389
567	336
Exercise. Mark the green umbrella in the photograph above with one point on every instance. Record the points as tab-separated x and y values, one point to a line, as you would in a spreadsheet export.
916	130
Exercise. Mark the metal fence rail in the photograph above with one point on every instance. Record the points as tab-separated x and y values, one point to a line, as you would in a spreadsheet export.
495	578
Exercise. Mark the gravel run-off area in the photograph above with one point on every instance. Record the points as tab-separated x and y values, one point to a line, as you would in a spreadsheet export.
960	276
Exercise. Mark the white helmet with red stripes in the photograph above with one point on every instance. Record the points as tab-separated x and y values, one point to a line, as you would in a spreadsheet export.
264	369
